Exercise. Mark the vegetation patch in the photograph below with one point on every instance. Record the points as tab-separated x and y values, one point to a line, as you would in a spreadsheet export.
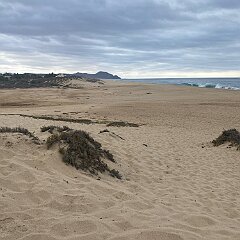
23	131
31	80
111	133
52	128
78	120
104	131
73	120
122	124
231	136
80	150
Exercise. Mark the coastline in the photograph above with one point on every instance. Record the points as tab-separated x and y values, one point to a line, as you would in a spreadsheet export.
218	83
175	185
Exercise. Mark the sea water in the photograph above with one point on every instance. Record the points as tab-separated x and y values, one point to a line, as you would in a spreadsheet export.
221	83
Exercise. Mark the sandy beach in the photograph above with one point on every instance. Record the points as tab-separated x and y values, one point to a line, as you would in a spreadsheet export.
175	185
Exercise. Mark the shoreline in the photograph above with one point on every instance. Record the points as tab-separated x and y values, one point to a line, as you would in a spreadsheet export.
217	83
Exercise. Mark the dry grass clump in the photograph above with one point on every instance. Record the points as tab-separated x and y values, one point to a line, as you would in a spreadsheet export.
85	121
58	118
122	124
23	131
231	136
78	120
83	152
104	131
53	139
52	128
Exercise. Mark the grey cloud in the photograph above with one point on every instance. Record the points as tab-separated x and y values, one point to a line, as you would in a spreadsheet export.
123	36
98	17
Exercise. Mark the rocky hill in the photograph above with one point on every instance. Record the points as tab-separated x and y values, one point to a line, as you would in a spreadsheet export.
99	75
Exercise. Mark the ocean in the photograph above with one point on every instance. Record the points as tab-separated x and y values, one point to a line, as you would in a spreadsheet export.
220	83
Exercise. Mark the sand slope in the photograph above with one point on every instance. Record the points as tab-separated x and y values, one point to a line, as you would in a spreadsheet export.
172	189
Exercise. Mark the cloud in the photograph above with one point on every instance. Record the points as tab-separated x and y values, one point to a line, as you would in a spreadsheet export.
129	38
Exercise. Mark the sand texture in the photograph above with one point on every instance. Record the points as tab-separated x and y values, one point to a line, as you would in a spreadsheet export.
175	184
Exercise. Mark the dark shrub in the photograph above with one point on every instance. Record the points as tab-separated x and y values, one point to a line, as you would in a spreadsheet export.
115	173
51	128
23	131
83	152
232	136
108	155
52	140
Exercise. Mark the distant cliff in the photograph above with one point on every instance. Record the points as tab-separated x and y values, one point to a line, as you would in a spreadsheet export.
100	75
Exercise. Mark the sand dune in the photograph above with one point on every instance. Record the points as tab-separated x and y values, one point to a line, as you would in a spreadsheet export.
175	185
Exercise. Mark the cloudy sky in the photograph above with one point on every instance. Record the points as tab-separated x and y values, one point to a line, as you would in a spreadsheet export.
131	38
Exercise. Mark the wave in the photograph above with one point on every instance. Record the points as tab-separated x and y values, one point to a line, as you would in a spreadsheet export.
209	85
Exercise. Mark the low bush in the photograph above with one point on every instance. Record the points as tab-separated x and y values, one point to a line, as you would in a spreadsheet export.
231	136
23	131
115	173
52	128
80	150
52	140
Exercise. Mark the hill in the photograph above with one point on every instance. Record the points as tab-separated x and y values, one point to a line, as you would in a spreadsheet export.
99	75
